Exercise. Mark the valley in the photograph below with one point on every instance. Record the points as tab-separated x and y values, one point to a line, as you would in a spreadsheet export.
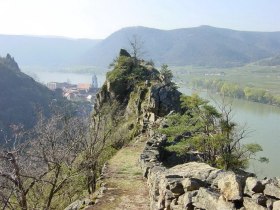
136	100
256	116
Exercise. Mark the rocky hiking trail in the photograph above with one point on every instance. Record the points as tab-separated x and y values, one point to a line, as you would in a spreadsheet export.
126	188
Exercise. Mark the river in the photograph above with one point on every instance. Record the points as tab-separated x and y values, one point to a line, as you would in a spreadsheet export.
263	120
49	76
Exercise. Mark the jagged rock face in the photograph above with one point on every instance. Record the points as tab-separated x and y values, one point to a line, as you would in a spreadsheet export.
164	99
123	52
138	90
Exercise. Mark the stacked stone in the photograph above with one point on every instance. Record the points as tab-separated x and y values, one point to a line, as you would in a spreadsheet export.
197	185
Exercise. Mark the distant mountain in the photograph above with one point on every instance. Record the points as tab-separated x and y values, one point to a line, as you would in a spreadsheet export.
21	98
203	46
199	46
45	51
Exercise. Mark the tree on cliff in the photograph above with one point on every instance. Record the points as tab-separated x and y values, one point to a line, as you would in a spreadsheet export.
136	45
203	128
166	76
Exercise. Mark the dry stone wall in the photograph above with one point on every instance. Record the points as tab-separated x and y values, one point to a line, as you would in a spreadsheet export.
196	185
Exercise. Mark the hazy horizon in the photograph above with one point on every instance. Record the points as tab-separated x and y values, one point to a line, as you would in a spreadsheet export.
68	37
98	19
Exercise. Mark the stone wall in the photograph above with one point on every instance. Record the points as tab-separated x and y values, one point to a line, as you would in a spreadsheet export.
195	185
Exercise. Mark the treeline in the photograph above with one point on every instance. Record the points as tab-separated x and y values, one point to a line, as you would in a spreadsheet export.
235	90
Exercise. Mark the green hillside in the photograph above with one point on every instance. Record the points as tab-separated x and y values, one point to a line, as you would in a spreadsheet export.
199	46
272	61
20	97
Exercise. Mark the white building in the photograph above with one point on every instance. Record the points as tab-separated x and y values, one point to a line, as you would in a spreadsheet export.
52	85
94	83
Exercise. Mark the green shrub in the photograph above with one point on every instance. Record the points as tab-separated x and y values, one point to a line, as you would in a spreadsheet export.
202	128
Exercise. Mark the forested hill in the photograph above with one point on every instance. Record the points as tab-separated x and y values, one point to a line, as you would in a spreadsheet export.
20	98
199	46
45	51
202	46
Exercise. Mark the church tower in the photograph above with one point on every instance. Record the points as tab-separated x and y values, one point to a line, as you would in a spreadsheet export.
94	83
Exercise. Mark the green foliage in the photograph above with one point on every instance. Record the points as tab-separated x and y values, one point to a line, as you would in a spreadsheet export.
181	148
166	75
122	66
128	74
125	69
106	155
204	129
236	91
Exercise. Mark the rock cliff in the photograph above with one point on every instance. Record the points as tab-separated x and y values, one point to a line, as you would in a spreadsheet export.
132	97
135	93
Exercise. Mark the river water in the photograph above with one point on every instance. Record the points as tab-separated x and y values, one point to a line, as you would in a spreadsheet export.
262	120
49	76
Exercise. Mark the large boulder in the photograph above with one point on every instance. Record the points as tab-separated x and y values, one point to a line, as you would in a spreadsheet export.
123	52
253	185
207	199
230	185
276	205
186	200
249	203
201	171
164	99
191	184
272	189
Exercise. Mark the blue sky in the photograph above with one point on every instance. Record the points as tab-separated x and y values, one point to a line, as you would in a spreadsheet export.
100	18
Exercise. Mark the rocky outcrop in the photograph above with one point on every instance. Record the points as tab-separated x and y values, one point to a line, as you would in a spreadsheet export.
132	97
137	91
162	100
196	185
